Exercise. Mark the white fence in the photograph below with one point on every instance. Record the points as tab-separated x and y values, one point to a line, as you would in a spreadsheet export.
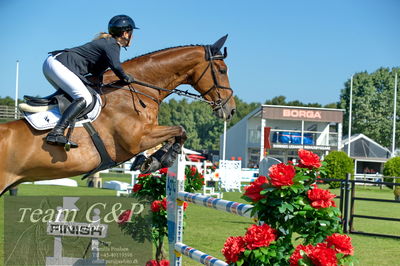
8	112
369	177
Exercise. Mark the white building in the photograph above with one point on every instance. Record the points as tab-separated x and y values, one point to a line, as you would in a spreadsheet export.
280	131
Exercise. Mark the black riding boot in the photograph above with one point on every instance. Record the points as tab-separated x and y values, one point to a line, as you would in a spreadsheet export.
56	136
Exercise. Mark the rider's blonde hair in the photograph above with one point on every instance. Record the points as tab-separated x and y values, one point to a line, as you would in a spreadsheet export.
102	35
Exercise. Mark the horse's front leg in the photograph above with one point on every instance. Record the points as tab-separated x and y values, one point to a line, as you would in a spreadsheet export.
167	154
160	134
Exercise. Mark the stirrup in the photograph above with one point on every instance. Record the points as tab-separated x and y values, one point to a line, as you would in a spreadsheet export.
61	140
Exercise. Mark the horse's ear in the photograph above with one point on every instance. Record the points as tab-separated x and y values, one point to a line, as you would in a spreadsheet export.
216	47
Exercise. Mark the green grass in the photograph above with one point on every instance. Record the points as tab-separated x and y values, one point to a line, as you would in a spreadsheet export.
207	229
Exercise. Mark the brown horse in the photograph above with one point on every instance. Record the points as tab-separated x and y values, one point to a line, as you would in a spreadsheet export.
128	123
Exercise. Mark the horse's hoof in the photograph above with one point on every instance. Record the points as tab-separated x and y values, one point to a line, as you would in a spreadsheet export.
150	165
138	162
169	158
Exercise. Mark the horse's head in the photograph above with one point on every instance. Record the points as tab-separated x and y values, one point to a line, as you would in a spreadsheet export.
210	78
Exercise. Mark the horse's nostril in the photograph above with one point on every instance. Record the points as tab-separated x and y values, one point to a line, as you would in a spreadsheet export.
233	112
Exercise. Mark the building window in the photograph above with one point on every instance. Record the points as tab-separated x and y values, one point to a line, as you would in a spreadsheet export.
254	136
254	158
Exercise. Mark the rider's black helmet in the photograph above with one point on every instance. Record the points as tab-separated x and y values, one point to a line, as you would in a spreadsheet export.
119	24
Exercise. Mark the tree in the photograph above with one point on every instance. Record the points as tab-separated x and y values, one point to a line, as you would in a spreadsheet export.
281	100
203	128
7	101
372	112
242	109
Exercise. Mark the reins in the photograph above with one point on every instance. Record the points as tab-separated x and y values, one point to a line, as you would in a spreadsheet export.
176	91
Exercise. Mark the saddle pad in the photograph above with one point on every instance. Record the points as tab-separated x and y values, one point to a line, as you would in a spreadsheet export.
48	119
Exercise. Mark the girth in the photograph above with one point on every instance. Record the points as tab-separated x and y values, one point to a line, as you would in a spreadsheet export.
106	161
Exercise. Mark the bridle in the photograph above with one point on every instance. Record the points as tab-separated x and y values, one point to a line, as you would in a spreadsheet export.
218	104
210	57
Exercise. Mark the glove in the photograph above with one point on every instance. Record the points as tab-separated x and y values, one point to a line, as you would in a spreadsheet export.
129	79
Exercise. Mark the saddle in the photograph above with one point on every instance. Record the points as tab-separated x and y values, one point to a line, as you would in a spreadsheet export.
60	99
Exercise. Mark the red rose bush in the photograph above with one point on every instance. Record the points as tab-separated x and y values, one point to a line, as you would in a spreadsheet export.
287	201
151	188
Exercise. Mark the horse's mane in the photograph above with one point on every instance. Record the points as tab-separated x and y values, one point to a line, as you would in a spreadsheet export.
164	49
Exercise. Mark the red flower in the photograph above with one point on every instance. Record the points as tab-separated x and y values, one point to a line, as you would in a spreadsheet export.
143	175
124	217
232	248
193	170
185	205
157	263
163	171
164	263
296	256
322	255
152	263
164	203
156	206
308	159
321	198
341	243
282	174
319	255
259	236
137	187
253	191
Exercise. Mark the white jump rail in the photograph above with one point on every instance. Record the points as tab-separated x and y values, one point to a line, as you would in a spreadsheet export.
175	198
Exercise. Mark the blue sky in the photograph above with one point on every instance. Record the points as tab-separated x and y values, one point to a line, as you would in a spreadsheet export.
304	50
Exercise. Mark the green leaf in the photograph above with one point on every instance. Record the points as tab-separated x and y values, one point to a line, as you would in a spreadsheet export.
308	208
300	178
264	250
247	252
240	262
257	253
288	217
302	213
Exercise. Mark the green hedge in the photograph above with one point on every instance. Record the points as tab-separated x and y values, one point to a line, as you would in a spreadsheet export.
338	164
392	168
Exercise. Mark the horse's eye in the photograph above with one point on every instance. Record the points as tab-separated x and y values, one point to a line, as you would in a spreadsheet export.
222	71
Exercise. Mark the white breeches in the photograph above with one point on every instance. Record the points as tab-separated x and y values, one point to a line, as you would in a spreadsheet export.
60	77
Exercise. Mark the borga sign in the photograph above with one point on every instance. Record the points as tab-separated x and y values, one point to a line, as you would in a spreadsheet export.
295	113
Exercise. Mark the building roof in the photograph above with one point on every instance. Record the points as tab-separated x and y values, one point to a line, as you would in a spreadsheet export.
364	147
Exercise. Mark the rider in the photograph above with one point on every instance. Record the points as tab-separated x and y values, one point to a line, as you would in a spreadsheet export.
67	70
